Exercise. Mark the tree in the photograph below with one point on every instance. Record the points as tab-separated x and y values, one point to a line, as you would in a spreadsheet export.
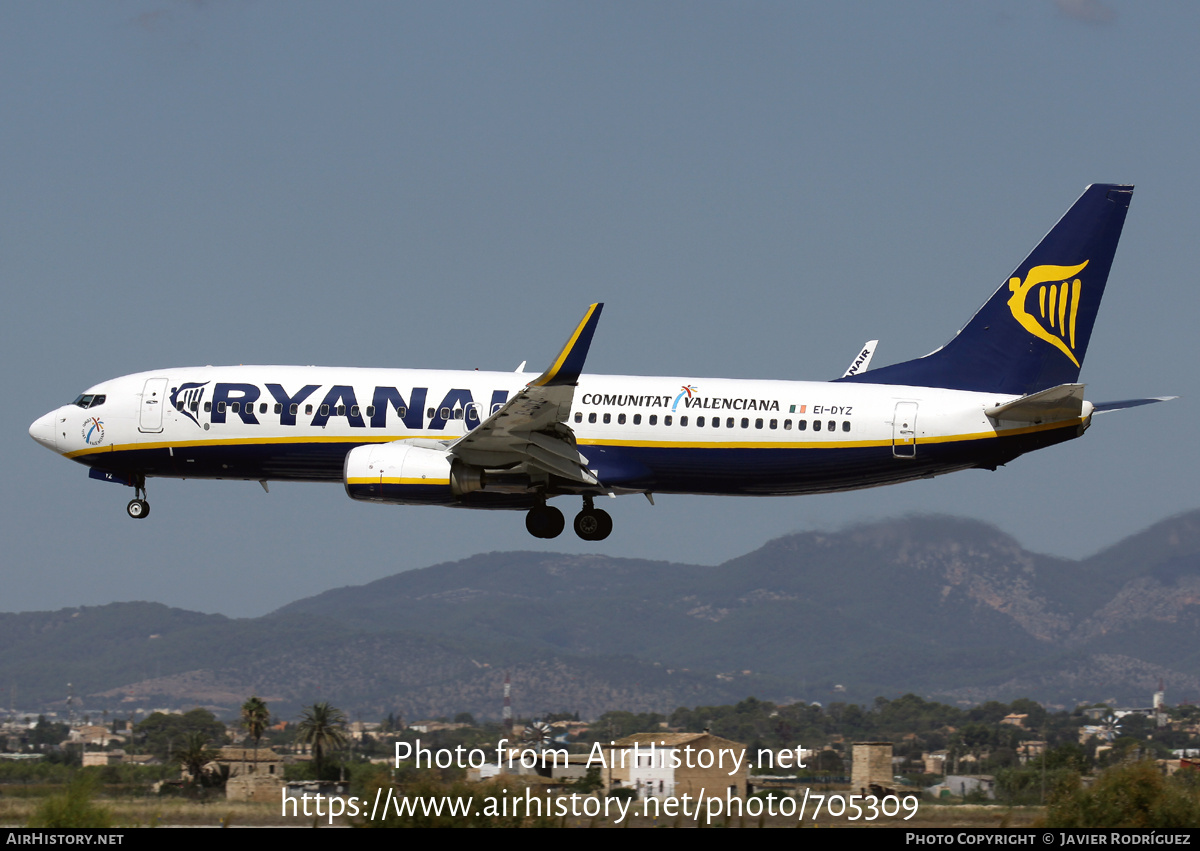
322	726
163	733
47	734
1130	795
255	718
194	755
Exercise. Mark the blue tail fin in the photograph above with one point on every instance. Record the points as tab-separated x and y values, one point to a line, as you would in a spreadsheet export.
1033	333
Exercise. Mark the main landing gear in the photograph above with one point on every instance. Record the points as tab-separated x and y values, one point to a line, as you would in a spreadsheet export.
591	524
544	521
138	507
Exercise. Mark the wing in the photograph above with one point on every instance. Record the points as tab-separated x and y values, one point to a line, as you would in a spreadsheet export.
531	430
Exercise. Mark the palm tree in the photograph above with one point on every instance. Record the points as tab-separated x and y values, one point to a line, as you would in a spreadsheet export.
195	754
255	718
322	726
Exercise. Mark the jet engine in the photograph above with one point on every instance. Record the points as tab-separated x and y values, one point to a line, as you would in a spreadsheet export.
408	473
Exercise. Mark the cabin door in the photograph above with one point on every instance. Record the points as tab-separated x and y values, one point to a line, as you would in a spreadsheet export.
154	399
904	430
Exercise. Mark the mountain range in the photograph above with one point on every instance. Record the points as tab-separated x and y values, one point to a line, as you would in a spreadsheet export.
948	608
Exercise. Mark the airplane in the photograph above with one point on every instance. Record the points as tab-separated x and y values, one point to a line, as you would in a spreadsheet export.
1005	385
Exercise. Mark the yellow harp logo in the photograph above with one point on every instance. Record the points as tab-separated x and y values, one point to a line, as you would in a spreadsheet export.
1056	308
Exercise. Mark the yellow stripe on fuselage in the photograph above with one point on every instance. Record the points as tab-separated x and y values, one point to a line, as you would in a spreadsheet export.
359	480
358	440
830	444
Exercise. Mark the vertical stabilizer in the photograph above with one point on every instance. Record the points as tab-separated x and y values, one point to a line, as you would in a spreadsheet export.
1033	332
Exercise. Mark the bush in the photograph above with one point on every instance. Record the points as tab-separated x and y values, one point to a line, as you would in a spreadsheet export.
73	808
1130	795
1023	786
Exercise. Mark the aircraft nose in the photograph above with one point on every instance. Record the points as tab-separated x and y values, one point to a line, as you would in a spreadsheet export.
42	431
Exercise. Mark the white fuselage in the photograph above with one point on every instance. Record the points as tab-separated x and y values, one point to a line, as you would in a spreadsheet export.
648	434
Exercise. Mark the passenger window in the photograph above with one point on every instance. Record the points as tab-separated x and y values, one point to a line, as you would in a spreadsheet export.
745	422
846	426
473	413
654	419
207	407
262	408
445	412
220	407
787	425
341	410
235	407
607	418
700	422
179	405
370	410
195	406
758	422
308	409
637	419
816	425
458	413
324	410
579	416
729	422
294	409
591	418
354	410
667	420
279	408
620	419
831	425
429	414
401	412
774	424
801	425
683	421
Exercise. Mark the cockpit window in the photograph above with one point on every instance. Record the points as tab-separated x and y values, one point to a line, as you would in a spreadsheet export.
89	400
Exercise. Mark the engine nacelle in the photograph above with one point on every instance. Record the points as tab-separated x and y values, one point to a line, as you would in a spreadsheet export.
406	473
398	473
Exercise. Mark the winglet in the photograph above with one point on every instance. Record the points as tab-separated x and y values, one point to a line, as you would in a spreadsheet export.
569	363
862	360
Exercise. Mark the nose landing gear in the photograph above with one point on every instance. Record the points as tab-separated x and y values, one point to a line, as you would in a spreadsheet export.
138	507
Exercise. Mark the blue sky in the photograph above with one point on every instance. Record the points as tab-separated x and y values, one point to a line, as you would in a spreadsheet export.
754	189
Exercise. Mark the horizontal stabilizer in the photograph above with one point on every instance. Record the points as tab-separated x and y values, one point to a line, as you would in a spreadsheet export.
1105	407
1064	402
